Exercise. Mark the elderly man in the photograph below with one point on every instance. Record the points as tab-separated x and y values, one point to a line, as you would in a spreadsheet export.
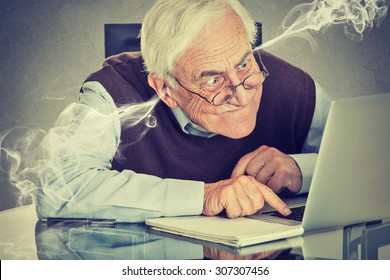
235	127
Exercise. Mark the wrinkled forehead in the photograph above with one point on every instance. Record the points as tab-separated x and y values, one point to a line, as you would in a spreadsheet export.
220	45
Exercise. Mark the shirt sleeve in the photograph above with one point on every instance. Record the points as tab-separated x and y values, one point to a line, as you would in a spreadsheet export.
308	158
79	182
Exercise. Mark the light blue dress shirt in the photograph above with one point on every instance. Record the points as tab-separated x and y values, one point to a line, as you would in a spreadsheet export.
86	139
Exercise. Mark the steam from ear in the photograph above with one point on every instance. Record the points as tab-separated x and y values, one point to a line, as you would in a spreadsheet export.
357	16
18	154
136	115
40	162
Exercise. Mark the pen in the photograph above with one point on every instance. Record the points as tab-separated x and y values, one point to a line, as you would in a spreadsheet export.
80	222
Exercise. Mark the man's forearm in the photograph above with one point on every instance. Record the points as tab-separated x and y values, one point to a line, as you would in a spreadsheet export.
125	196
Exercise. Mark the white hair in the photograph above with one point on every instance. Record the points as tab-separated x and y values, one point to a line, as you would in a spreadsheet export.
170	26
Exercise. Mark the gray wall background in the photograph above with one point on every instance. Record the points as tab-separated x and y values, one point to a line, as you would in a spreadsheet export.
48	47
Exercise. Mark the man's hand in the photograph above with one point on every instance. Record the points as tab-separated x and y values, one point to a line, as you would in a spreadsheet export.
240	196
270	167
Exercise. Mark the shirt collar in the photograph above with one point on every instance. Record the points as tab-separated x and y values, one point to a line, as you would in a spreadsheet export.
189	127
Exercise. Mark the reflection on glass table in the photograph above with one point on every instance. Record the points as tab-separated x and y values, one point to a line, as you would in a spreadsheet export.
124	241
366	241
137	241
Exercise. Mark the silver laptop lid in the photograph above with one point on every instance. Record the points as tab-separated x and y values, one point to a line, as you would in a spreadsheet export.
351	181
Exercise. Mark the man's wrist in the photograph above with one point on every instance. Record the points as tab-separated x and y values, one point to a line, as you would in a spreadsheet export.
306	164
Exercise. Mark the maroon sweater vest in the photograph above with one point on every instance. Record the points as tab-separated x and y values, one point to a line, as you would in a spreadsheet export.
283	122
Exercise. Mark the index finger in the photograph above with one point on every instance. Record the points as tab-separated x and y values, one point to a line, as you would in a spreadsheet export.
242	164
273	200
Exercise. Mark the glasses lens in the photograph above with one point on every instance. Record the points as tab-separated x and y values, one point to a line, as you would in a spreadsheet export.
223	97
249	83
253	80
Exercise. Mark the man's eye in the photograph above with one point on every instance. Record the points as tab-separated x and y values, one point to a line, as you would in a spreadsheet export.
244	64
212	82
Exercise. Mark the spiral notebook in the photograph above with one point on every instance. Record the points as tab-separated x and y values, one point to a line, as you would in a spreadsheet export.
276	245
238	232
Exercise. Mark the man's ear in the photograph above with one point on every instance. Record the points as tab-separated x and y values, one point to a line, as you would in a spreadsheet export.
162	89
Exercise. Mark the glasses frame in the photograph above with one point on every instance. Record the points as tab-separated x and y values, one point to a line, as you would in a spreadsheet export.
264	72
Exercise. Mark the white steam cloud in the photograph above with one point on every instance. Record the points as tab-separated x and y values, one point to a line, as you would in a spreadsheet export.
357	16
36	160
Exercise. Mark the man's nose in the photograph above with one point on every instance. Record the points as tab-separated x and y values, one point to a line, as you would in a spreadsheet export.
242	96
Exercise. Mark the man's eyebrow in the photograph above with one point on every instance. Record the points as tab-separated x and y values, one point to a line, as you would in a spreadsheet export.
244	57
210	73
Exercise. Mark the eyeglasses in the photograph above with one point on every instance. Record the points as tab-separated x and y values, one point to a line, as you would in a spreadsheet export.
225	95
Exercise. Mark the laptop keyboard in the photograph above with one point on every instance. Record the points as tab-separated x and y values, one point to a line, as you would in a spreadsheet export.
296	214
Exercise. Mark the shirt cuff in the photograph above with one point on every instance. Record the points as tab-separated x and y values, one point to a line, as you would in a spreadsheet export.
306	163
184	197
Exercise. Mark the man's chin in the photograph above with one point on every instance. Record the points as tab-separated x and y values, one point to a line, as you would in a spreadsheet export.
240	132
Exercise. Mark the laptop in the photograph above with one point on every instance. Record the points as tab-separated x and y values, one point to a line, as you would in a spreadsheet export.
351	181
